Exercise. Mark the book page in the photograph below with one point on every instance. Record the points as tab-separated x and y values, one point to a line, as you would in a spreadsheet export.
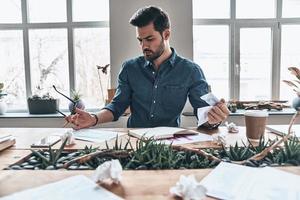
95	135
160	132
75	188
187	139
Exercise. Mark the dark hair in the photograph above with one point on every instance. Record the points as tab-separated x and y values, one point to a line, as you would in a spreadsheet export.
144	16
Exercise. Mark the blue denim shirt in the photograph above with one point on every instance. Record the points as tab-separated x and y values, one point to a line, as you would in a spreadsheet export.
157	98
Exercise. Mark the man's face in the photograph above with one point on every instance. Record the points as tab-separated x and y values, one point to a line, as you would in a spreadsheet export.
151	41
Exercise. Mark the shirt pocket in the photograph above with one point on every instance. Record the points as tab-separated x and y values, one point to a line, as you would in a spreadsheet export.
174	97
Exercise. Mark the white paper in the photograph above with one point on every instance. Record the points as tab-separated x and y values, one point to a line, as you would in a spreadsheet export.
202	114
211	100
237	182
75	188
109	170
160	132
201	137
188	188
95	135
283	129
232	127
69	136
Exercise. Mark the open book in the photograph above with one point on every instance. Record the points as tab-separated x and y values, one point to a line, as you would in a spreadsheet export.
160	132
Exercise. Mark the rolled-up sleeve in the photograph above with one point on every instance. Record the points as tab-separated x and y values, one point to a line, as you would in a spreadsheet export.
198	88
122	98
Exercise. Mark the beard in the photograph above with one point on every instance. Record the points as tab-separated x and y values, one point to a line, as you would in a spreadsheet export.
153	55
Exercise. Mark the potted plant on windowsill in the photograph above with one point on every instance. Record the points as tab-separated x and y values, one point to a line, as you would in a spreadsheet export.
42	104
3	106
76	96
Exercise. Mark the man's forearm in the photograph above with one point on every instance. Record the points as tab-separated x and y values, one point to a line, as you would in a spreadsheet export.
105	116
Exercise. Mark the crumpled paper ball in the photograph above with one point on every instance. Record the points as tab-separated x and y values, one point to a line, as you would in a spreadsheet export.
188	188
231	127
109	170
69	136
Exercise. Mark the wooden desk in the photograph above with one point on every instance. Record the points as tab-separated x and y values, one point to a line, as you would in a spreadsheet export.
136	185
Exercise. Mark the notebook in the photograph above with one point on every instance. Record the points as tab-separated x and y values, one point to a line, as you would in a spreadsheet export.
160	132
283	129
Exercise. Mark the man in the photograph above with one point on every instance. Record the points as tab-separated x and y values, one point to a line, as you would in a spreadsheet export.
156	85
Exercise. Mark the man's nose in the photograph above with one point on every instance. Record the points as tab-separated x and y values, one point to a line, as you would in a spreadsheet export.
144	45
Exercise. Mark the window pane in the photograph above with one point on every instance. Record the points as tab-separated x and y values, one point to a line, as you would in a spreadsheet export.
49	61
91	49
211	52
12	68
90	10
290	51
255	60
290	8
208	9
47	10
10	11
255	9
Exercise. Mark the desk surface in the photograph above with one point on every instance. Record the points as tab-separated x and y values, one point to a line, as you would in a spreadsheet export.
148	184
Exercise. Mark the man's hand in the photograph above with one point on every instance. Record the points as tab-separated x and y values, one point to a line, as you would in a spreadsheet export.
81	119
218	113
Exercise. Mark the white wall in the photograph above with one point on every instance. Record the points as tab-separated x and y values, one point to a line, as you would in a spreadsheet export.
123	43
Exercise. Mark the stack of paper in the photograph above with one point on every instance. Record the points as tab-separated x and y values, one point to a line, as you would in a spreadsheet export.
230	181
75	188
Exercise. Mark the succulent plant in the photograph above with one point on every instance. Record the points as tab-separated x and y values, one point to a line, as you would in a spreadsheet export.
1	90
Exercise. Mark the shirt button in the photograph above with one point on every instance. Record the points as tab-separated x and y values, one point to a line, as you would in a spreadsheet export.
154	101
152	116
155	86
153	72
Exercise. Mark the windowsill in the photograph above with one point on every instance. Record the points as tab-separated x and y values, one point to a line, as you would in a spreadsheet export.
240	112
286	111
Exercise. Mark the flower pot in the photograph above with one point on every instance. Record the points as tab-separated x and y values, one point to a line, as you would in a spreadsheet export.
296	103
42	106
79	104
3	107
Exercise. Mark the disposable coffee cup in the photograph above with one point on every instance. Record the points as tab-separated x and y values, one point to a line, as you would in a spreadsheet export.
255	121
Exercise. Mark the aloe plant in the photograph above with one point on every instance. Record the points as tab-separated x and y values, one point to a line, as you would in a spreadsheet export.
53	157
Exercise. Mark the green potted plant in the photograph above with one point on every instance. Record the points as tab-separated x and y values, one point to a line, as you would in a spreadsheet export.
76	96
42	104
3	106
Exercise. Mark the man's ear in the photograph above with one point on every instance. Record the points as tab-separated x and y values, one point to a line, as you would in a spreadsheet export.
166	34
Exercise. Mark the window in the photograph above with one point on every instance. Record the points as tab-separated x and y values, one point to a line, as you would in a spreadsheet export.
212	45
57	42
207	9
12	67
290	57
255	9
255	63
91	49
10	11
262	38
291	8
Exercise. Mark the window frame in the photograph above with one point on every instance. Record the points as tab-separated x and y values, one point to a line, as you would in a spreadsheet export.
234	25
70	25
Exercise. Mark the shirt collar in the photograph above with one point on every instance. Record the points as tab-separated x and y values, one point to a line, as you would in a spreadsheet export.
171	60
